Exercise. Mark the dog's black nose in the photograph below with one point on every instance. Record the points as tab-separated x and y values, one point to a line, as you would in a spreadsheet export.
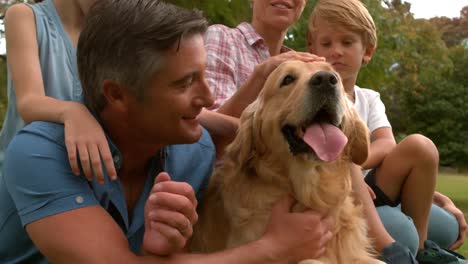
323	80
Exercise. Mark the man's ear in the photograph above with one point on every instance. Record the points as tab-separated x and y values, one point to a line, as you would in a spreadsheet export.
368	54
114	93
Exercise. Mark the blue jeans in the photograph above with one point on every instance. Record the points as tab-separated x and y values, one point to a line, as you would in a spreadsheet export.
443	226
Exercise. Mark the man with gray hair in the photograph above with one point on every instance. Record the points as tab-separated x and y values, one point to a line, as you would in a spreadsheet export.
142	64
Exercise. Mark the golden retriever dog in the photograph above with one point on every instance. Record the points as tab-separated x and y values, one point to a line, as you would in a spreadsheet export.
300	137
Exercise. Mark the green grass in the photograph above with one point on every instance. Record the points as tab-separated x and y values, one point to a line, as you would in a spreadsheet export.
455	186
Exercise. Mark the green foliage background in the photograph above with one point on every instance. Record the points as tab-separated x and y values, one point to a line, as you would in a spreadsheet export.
420	68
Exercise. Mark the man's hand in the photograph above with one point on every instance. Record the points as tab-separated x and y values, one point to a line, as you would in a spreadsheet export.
170	214
297	236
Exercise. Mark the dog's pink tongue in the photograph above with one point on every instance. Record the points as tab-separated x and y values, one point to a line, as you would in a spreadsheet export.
326	140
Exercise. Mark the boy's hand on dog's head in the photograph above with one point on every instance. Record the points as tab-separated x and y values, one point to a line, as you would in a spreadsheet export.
295	236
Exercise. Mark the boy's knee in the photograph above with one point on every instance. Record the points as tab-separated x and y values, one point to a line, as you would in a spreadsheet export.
422	147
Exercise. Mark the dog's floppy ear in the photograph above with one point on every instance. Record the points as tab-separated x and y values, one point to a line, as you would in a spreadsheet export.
242	147
358	137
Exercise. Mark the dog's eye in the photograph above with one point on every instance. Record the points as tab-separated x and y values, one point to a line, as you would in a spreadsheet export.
288	79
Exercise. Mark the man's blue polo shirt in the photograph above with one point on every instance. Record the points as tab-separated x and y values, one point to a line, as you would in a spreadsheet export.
38	182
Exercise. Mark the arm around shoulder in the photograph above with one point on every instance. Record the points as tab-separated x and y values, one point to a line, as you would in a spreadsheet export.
25	68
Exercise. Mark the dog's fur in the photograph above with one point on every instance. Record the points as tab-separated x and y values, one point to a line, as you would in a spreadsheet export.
261	165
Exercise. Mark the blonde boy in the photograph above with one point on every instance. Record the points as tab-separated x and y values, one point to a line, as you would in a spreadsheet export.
403	174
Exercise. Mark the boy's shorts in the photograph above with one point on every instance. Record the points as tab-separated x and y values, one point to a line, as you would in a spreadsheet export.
381	198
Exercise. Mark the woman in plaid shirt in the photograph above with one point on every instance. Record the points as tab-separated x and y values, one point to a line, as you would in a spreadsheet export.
240	59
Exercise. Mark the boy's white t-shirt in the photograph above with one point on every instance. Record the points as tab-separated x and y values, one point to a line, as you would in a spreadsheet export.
371	108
